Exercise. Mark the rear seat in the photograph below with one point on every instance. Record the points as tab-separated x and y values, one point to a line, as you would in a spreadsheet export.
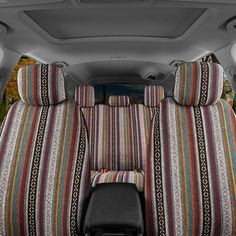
190	176
123	146
44	171
118	135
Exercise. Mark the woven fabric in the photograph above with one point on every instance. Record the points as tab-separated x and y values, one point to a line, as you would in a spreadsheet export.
198	84
133	177
190	175
153	95
41	84
117	136
44	174
119	101
84	96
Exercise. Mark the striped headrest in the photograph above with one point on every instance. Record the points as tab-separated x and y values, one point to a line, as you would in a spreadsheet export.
198	84
85	96
153	95
119	101
41	84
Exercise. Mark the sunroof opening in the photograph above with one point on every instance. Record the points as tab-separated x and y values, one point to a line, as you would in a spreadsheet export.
162	22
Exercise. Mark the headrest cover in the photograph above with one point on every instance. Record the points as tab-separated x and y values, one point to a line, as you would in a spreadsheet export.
119	101
85	96
198	84
153	95
41	85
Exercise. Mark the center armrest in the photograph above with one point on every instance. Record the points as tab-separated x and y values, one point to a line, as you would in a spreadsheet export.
114	205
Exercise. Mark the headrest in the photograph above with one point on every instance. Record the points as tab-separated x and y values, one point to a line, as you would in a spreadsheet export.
85	96
198	84
41	84
119	101
153	95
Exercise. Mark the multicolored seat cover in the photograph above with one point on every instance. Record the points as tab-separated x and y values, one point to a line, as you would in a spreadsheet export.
118	135
190	184
119	101
133	177
153	95
44	175
41	85
85	95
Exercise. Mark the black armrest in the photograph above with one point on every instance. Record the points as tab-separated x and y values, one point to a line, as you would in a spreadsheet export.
114	205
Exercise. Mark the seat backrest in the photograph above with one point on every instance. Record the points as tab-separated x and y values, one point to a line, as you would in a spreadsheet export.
43	158
117	132
190	177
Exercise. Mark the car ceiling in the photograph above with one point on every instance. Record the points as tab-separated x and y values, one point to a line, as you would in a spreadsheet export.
114	32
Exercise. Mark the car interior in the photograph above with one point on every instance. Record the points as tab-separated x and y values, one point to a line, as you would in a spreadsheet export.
118	117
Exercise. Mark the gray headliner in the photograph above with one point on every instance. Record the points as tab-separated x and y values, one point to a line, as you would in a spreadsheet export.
208	33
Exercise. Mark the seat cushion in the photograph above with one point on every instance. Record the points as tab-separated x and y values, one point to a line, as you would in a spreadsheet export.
133	177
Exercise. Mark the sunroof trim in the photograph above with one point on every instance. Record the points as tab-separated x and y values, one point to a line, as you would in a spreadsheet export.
44	34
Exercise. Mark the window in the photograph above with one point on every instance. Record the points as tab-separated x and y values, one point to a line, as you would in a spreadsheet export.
11	94
134	91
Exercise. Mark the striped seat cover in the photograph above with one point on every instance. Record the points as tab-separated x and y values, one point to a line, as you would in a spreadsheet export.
119	101
84	95
44	171
118	134
190	178
133	177
153	95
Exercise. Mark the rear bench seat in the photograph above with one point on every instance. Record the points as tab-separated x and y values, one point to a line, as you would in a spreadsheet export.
190	176
118	135
44	175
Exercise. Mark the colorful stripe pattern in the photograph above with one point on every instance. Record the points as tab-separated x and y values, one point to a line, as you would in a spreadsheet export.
44	172
84	96
133	177
118	139
190	180
118	136
41	85
119	101
198	84
153	95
